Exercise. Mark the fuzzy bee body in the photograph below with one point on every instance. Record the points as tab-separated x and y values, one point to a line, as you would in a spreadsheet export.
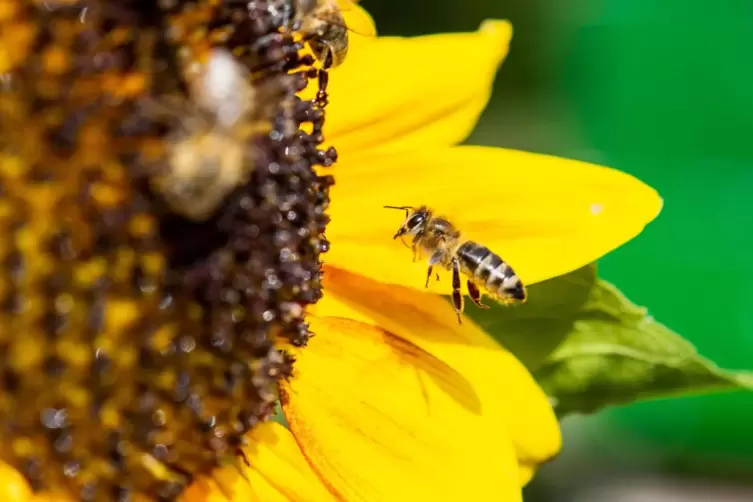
323	26
207	150
484	270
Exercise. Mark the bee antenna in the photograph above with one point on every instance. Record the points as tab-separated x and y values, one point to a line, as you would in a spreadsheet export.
401	208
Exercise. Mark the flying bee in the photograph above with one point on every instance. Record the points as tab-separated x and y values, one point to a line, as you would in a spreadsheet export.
207	150
445	246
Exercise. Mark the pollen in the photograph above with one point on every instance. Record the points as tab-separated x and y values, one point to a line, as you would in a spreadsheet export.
137	345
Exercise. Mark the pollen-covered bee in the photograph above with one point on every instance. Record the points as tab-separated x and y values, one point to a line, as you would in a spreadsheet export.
323	26
207	151
485	271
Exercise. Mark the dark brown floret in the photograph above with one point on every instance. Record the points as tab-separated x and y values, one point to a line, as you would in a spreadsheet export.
137	347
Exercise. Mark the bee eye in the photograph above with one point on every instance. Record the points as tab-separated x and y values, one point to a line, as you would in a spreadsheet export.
415	220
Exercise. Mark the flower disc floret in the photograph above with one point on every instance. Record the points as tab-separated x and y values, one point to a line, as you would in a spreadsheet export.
137	346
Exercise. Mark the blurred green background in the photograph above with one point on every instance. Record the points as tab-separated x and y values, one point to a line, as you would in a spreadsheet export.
662	89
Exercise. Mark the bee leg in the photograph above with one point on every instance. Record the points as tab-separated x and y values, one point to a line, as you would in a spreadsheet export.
414	246
457	297
436	258
322	98
475	295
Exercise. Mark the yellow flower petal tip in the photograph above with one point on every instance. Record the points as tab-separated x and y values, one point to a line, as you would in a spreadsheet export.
389	95
529	467
383	420
500	32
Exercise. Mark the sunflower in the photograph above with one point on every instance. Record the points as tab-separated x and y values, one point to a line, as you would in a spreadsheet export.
393	399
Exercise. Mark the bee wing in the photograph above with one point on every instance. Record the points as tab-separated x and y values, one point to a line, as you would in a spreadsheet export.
357	20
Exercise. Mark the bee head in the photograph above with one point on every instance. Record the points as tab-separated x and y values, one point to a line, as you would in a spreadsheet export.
415	220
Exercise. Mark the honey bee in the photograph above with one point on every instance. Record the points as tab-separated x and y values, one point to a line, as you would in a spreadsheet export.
207	153
323	26
437	238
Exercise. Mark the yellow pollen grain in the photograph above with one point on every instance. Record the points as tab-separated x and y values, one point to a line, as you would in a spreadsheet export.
6	210
17	39
153	264
26	352
45	198
119	36
141	225
164	436
90	272
133	85
64	303
120	315
23	447
109	415
13	167
155	467
55	60
110	83
76	353
76	396
166	380
106	195
8	10
163	338
123	266
127	357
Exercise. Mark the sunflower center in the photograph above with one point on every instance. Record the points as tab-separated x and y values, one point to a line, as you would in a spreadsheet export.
160	230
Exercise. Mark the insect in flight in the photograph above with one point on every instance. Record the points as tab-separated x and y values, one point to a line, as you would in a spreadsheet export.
207	152
437	238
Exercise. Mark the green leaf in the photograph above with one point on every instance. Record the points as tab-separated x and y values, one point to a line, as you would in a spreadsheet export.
589	347
533	330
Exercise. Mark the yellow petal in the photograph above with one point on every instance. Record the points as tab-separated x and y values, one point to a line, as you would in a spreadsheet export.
381	420
277	471
360	24
509	394
393	91
13	487
526	473
544	215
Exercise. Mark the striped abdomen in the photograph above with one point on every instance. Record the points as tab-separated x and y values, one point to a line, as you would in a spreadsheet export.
489	271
